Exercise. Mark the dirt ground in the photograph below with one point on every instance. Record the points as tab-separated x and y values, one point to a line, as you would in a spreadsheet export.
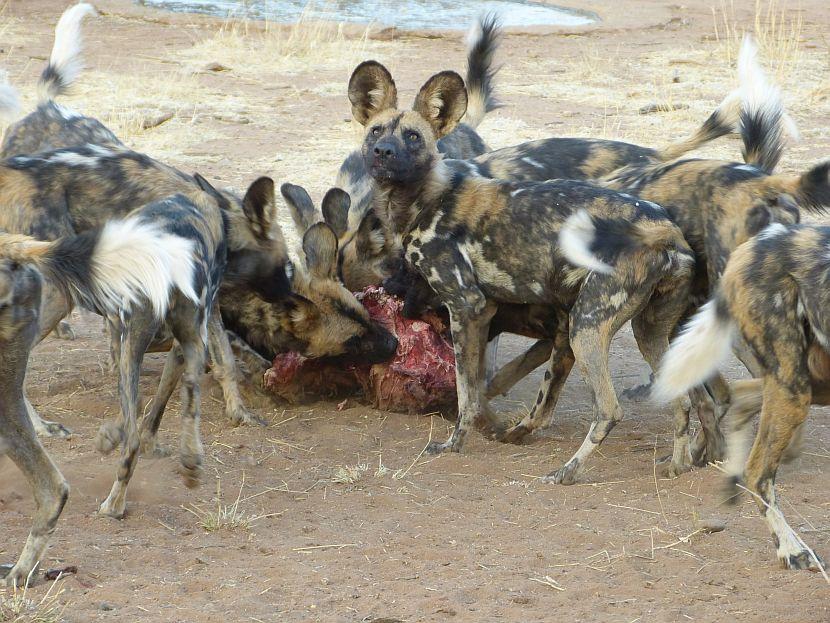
340	517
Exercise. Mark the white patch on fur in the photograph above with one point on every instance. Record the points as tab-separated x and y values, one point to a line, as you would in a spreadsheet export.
516	192
103	152
457	273
67	113
537	288
778	300
695	354
575	240
772	231
533	163
9	99
619	298
74	159
66	52
746	167
135	260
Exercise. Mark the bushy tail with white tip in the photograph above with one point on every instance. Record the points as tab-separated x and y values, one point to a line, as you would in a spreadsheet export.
694	355
65	63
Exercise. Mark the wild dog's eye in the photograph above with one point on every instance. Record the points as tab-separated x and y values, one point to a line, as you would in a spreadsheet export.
376	131
413	137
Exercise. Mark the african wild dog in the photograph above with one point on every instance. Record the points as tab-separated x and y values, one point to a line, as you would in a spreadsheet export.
773	293
319	318
68	190
482	244
718	205
50	125
364	248
126	266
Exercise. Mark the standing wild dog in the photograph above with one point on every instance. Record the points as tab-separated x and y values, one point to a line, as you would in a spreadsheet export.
774	293
481	244
239	242
364	248
120	269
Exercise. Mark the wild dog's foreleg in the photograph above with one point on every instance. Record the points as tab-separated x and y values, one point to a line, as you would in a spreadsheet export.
712	403
48	486
470	315
561	362
173	369
224	370
601	308
786	405
136	331
518	368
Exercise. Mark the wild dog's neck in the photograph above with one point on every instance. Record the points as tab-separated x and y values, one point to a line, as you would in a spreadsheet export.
398	205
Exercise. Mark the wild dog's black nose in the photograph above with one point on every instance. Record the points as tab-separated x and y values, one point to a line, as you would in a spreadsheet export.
385	149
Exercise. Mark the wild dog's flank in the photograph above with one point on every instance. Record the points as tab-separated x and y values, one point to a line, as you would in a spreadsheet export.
788	334
125	265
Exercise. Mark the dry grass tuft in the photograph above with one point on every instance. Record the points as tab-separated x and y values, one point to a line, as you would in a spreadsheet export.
17	607
226	517
349	475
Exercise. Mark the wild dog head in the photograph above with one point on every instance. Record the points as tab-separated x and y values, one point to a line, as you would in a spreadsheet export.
363	254
400	147
326	316
257	254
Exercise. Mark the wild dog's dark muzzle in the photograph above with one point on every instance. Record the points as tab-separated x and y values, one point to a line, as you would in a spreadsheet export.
377	345
385	150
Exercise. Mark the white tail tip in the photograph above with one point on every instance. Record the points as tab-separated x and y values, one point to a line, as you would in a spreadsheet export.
694	355
575	239
66	52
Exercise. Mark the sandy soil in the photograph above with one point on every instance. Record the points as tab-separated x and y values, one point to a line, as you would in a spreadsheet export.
468	537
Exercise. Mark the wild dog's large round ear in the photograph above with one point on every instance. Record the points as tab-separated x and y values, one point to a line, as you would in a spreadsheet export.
336	206
320	248
442	101
370	240
300	205
371	90
260	206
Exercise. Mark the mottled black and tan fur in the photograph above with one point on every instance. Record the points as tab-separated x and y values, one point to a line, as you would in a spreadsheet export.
125	268
364	254
481	244
775	295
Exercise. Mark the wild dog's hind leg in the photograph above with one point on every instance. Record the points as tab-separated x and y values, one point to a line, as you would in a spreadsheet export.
518	368
136	333
224	370
601	308
173	369
561	362
652	329
48	485
786	405
188	329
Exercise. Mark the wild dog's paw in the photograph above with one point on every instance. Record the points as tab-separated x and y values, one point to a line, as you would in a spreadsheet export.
670	469
64	331
801	561
435	448
638	393
13	576
565	475
515	434
191	469
113	510
242	417
109	437
53	429
150	446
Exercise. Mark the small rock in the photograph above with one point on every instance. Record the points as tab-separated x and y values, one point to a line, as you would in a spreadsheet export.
216	67
105	606
711	525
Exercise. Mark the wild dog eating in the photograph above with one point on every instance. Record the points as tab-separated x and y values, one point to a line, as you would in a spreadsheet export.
481	243
774	295
126	266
